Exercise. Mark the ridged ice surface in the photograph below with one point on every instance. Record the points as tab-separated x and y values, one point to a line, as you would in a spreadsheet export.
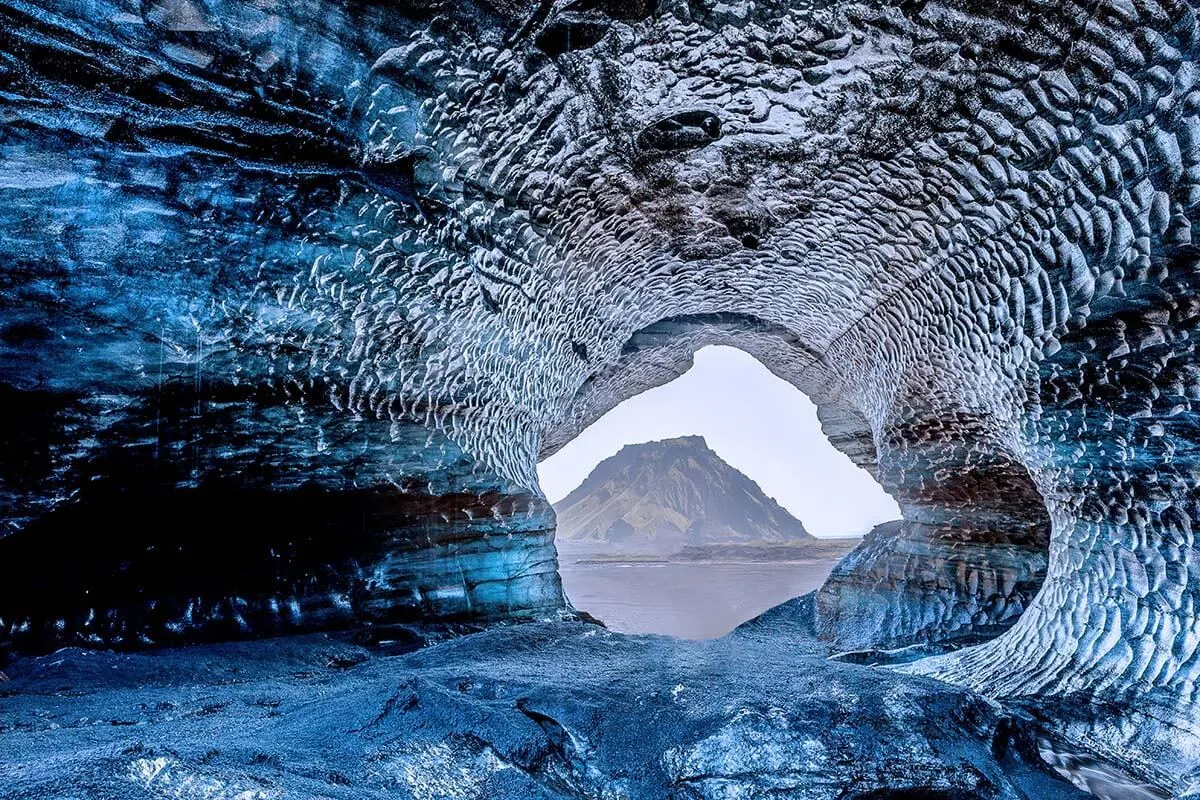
964	228
533	712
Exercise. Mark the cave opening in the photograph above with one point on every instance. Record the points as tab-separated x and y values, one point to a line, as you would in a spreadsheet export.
698	504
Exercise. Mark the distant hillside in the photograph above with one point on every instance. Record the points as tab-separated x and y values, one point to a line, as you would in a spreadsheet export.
665	496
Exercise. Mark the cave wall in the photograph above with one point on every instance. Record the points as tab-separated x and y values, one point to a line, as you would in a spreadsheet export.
964	228
182	460
265	525
914	587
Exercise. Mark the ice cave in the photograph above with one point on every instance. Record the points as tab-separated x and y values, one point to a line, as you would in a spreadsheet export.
296	296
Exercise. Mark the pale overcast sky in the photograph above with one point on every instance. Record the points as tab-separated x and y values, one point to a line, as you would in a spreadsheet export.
758	423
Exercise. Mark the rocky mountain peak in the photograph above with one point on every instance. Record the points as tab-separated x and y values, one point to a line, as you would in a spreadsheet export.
669	494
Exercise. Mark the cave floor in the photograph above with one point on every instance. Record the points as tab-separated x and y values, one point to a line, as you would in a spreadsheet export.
537	710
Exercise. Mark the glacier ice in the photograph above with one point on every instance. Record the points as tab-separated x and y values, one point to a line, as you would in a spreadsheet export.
347	262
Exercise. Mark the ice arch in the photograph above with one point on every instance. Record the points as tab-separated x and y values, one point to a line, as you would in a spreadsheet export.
355	268
961	567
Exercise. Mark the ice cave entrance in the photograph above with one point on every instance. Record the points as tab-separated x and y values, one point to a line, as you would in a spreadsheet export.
699	504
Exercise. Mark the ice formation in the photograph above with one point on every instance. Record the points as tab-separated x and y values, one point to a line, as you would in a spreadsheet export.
300	293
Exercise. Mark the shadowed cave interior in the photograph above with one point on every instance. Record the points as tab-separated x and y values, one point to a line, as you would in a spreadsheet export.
297	296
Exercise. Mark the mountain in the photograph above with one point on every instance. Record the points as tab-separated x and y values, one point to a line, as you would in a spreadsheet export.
665	496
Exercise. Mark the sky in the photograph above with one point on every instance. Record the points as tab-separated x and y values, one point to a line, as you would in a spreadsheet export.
757	422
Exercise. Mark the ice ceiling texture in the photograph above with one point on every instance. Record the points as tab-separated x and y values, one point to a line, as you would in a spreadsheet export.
296	295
